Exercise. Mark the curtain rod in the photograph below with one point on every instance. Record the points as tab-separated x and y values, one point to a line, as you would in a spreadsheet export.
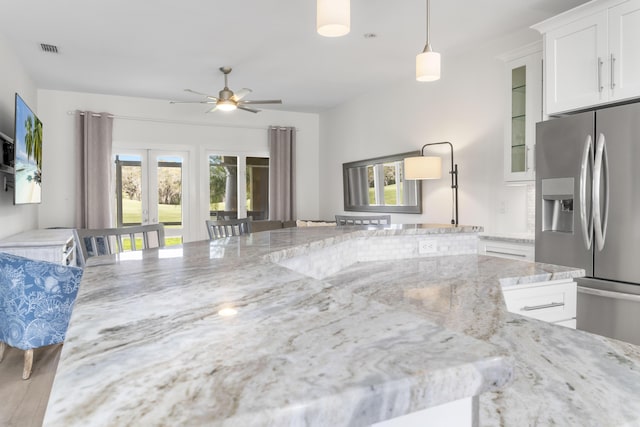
180	122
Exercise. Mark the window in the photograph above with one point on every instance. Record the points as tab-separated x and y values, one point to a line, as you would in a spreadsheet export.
226	191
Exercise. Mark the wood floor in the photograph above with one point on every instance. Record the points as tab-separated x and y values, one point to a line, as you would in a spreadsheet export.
23	402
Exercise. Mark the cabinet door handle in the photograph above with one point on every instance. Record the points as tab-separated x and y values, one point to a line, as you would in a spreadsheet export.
526	158
489	251
542	306
613	76
600	87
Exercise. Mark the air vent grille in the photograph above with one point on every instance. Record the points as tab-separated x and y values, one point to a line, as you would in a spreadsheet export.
49	48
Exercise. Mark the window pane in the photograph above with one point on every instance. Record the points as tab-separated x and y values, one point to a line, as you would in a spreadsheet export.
223	187
129	190
258	188
390	187
170	195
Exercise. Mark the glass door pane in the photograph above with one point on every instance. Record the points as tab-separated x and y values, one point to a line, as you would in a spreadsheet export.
130	204
223	187
169	204
518	118
257	188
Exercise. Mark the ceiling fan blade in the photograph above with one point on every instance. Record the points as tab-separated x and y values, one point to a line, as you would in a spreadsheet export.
238	95
192	102
251	110
266	101
215	107
199	93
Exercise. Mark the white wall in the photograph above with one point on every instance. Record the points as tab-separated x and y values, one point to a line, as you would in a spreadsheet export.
156	123
466	107
14	219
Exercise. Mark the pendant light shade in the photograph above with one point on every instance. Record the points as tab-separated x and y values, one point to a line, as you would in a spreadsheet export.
333	17
428	66
428	62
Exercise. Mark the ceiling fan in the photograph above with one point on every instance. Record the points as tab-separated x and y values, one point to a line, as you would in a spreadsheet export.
227	100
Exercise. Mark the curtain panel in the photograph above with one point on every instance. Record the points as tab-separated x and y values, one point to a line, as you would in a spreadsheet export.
282	173
93	177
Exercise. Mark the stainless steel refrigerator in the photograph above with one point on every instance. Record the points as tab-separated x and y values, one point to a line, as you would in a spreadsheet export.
588	212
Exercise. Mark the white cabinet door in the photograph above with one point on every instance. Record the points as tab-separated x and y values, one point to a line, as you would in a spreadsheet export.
624	46
576	69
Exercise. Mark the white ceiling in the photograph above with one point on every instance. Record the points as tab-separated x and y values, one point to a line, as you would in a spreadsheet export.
157	48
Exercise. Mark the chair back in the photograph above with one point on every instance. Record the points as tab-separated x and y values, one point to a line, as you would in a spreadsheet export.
363	219
228	228
36	300
107	241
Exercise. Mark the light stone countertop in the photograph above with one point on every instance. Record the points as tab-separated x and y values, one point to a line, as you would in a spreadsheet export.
375	340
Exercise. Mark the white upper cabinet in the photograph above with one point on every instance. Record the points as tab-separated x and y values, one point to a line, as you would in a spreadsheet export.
624	49
524	100
592	55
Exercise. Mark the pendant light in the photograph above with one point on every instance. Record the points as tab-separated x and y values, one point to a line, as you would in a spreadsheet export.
428	62
333	17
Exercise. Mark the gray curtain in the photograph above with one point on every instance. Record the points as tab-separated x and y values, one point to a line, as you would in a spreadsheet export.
358	186
93	176
282	173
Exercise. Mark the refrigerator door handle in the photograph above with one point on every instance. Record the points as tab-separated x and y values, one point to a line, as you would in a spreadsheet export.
586	221
601	168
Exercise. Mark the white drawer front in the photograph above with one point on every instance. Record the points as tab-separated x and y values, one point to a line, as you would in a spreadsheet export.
521	251
548	302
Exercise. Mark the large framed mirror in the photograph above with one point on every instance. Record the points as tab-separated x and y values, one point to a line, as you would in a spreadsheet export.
378	185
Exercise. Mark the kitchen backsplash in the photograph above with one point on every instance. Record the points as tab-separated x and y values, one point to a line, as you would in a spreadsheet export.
531	208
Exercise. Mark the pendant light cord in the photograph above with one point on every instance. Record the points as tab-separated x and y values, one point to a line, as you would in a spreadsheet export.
427	46
428	23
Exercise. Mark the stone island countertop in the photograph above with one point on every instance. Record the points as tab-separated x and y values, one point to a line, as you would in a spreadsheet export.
384	334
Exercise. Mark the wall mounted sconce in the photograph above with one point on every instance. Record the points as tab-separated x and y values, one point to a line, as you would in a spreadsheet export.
429	167
333	17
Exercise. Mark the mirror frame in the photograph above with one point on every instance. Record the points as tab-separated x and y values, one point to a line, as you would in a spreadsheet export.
410	209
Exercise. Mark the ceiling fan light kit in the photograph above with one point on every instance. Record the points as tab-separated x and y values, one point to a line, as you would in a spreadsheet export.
226	105
333	17
428	62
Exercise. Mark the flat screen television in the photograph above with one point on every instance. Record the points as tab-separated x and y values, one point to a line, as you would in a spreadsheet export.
28	155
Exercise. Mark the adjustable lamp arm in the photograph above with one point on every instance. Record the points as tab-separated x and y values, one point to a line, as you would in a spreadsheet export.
454	178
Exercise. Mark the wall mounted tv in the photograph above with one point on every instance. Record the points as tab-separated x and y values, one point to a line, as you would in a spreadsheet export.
28	155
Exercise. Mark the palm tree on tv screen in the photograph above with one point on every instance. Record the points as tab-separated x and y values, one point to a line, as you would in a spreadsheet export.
33	143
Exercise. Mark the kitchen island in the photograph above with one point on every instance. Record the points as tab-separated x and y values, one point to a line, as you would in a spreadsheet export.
344	326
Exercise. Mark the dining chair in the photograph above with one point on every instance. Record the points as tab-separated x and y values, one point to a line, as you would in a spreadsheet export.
106	241
228	228
36	300
363	219
223	215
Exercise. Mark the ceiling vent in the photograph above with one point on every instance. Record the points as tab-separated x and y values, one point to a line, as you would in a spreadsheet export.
49	48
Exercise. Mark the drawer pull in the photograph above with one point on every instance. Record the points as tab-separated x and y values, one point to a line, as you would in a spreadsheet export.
489	251
541	307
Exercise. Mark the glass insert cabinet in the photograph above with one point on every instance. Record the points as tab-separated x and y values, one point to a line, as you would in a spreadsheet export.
524	100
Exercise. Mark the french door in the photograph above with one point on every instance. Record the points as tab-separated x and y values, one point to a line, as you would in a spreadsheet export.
152	187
